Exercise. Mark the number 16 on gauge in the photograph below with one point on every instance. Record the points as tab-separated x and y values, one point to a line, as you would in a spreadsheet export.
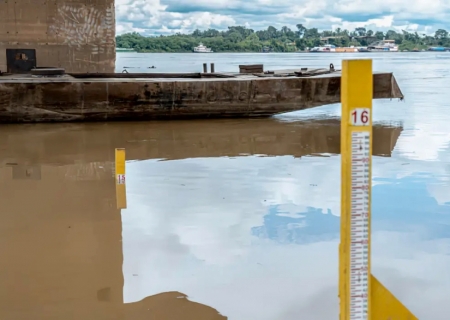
360	117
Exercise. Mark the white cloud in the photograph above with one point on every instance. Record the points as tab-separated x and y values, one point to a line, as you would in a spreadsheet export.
127	27
169	16
375	24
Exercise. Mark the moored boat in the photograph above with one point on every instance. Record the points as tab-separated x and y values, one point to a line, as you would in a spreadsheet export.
347	49
383	46
333	48
325	48
440	49
202	49
125	50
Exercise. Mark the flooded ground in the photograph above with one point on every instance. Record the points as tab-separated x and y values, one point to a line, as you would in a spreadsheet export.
235	219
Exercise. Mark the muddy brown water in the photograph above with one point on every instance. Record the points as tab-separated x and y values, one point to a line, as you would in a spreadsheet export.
235	219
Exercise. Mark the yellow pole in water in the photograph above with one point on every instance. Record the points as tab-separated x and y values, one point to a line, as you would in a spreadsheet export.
356	145
362	296
121	196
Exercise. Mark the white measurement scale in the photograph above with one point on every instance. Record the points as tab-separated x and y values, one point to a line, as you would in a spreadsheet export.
359	215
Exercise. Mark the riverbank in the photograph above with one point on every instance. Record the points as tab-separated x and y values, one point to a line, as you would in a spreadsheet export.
343	50
242	39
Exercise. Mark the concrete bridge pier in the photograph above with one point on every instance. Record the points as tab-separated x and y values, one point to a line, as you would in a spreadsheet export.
78	35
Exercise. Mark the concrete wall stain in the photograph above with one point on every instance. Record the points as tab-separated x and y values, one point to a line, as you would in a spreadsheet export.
79	25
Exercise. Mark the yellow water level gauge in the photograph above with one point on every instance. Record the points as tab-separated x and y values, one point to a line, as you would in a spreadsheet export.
362	296
119	172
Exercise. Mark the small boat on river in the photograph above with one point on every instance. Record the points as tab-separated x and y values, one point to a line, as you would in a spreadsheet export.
333	48
202	49
383	46
325	48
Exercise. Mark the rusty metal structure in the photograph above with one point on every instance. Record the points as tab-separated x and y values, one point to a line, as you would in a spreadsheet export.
77	35
71	98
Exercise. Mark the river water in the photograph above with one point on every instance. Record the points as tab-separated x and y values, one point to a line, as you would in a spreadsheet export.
235	219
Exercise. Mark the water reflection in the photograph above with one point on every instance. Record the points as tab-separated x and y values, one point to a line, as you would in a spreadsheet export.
179	140
291	223
61	245
253	218
170	306
241	223
209	239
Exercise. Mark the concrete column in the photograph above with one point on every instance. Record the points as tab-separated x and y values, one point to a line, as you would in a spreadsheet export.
78	35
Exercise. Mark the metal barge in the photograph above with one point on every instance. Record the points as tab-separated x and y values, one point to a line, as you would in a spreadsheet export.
79	97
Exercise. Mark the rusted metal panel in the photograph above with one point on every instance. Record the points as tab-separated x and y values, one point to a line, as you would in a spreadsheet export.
139	75
227	98
251	68
140	101
70	99
20	61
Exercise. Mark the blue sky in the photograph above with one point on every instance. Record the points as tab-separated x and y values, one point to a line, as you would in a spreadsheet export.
171	16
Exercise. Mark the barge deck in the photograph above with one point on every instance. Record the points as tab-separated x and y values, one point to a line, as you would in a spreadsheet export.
152	96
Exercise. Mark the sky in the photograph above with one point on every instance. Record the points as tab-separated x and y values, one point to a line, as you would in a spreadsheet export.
172	16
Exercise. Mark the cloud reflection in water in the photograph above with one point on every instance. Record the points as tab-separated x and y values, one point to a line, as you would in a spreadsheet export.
232	228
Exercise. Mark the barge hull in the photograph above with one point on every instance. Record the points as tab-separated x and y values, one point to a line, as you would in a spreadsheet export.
25	99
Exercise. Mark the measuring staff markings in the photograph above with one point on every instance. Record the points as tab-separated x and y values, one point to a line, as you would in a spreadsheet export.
356	133
359	225
359	215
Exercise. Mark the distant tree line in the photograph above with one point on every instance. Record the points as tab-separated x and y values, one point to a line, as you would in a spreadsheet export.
242	39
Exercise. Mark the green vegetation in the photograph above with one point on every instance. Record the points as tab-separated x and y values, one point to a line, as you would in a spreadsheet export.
241	39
